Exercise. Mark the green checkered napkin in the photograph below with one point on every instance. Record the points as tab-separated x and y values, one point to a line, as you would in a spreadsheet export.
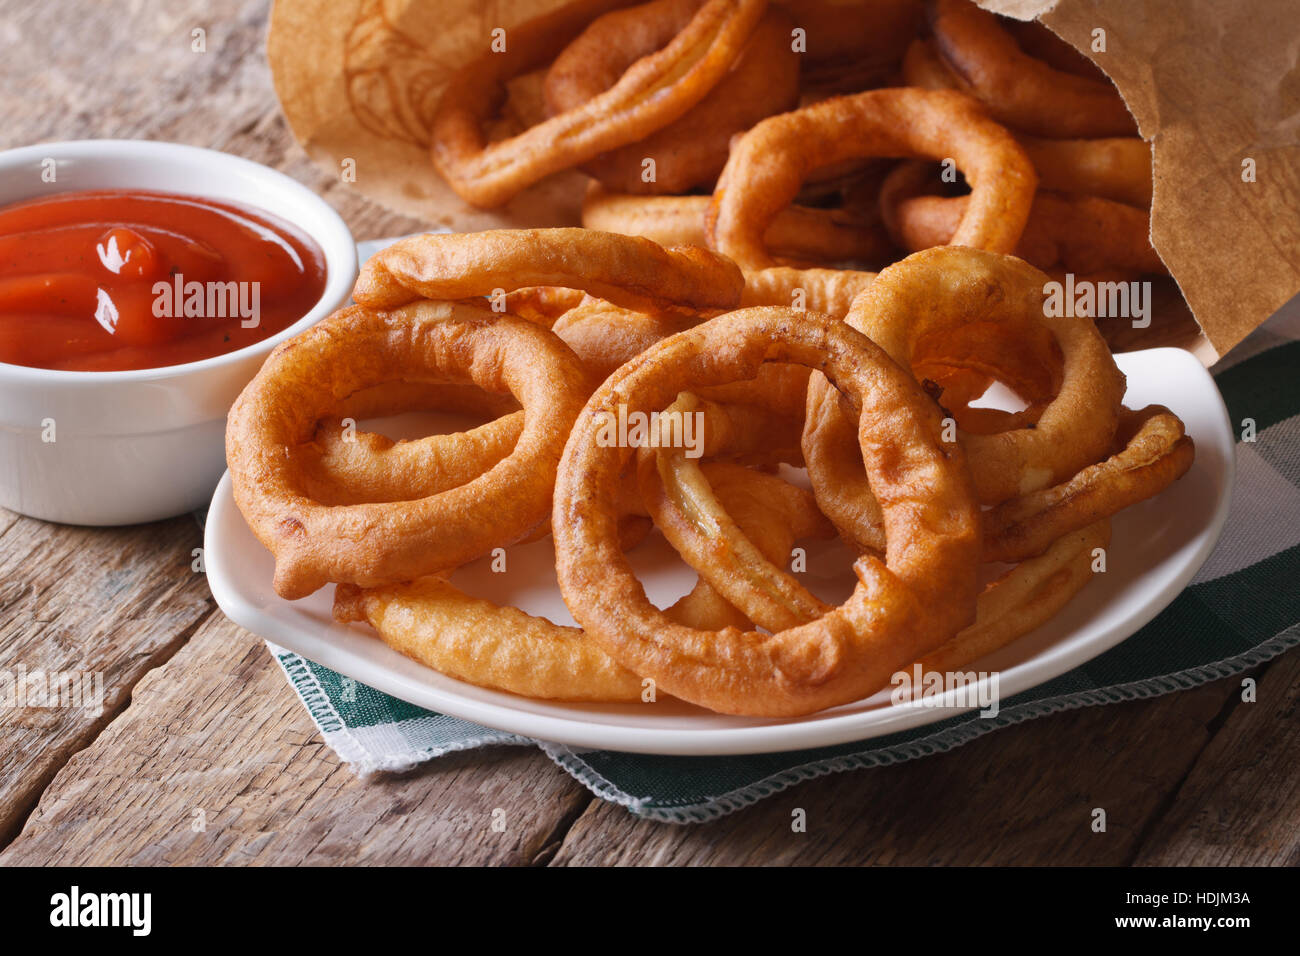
1242	608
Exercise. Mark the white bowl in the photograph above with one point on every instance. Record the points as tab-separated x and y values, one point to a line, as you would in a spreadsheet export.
144	444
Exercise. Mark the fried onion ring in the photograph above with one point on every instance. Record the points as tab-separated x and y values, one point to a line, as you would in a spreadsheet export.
655	91
799	234
1020	90
1155	452
903	608
1086	235
625	270
1117	168
1023	598
379	542
349	466
769	162
681	499
829	291
692	150
475	640
910	311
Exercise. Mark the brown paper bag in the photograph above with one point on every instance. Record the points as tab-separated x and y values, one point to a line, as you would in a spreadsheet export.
1214	86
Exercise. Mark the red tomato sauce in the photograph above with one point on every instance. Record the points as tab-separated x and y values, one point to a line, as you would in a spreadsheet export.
114	280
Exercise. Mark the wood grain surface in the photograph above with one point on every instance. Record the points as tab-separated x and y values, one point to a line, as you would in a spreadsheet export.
203	755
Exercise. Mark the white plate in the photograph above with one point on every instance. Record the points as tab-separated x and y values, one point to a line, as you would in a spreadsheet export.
1156	548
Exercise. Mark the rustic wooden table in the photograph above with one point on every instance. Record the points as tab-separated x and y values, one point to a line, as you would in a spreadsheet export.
199	718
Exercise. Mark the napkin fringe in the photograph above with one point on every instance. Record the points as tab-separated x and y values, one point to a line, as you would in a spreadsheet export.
723	804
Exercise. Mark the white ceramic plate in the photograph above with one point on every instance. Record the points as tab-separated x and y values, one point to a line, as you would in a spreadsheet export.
1156	548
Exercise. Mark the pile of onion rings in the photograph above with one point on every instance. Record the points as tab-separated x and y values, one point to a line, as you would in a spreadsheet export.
744	271
605	325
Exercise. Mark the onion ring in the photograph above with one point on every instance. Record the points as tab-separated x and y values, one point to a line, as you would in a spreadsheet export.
909	605
909	310
380	542
1022	599
1155	452
1086	235
1117	168
342	469
1019	90
855	30
799	234
625	270
829	291
851	44
769	162
482	643
681	500
372	468
654	92
692	150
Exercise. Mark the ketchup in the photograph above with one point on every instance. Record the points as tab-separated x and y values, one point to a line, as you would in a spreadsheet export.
114	280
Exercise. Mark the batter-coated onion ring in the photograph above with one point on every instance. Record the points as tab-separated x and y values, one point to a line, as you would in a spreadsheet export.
344	467
681	499
372	468
376	543
654	92
1086	235
1155	452
769	162
625	270
489	645
692	150
1022	599
1018	89
800	234
829	291
1117	168
909	310
606	336
902	609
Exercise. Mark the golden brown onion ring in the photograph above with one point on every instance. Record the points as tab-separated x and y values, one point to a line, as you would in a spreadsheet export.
919	597
1117	168
1019	90
769	162
1086	235
681	498
692	150
379	542
625	270
910	310
1155	452
801	234
654	92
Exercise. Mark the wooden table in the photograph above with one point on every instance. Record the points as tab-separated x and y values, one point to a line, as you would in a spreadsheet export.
204	755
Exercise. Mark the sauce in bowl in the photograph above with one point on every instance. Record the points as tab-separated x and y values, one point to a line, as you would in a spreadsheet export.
115	280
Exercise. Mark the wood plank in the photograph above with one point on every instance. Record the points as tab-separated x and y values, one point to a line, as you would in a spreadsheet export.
119	602
109	604
218	729
1019	796
1240	804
